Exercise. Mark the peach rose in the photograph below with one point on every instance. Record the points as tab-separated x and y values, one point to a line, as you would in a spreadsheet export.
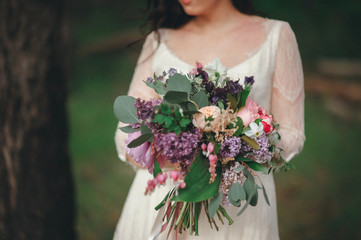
199	119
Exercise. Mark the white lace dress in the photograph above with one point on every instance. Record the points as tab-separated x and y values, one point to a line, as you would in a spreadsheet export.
277	68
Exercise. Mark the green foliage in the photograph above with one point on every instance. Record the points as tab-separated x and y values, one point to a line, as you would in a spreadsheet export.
232	101
257	167
236	194
124	109
198	187
175	97
140	140
239	124
251	142
214	204
179	83
156	169
157	85
201	99
171	119
129	129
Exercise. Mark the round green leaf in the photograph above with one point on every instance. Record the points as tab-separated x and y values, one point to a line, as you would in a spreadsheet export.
201	99
179	83
124	109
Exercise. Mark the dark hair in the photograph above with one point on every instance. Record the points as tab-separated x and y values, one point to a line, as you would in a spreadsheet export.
170	14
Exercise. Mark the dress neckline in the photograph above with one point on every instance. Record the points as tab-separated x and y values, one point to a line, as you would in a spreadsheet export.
253	54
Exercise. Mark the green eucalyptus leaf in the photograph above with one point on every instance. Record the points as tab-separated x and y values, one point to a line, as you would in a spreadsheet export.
145	129
140	140
251	142
236	203
250	188
236	192
159	88
175	97
239	169
221	105
124	109
214	204
179	83
265	195
129	129
201	99
198	187
254	199
257	167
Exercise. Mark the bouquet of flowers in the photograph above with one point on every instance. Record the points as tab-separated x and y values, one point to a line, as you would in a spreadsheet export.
215	136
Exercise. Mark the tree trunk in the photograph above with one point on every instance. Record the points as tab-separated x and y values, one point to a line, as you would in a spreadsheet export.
36	188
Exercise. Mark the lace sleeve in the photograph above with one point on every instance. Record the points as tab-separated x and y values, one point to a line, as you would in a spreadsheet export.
137	87
288	94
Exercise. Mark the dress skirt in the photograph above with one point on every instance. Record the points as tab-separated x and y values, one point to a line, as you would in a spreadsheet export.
255	223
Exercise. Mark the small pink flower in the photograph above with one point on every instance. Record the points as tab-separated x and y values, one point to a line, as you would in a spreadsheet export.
204	146
161	178
210	147
174	175
212	158
182	185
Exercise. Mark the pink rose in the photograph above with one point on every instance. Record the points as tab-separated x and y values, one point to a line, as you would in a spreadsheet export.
142	154
250	112
199	119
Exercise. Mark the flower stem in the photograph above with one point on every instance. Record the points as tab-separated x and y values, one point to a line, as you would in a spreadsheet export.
225	214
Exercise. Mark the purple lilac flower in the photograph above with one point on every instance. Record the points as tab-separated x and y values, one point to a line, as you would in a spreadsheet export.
160	77
172	71
262	155
149	79
230	147
229	176
178	148
249	80
233	87
145	109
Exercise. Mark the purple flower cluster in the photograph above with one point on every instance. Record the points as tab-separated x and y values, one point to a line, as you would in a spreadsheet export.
178	148
231	147
217	93
262	155
230	176
145	109
233	87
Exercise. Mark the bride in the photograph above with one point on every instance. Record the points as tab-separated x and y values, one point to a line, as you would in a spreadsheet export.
190	31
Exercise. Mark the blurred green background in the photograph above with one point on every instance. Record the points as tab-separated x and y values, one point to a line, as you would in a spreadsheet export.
319	200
